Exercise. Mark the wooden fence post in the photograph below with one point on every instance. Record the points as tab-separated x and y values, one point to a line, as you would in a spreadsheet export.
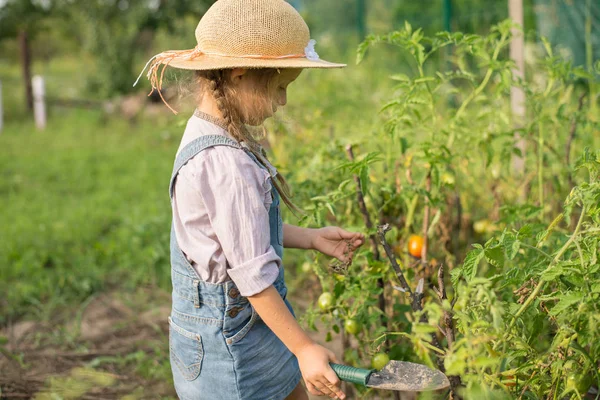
26	67
517	95
1	109
39	102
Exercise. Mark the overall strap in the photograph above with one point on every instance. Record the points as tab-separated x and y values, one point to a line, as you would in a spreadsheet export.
195	147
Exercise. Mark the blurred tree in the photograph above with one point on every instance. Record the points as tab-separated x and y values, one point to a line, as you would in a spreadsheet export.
115	31
20	19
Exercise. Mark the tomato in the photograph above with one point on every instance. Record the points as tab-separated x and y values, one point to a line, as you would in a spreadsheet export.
495	171
578	378
481	226
579	382
306	267
380	360
415	245
352	326
509	380
325	301
447	179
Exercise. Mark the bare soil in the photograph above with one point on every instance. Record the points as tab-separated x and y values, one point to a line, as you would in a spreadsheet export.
86	352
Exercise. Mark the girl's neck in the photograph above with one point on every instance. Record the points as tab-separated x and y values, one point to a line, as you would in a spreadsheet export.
208	105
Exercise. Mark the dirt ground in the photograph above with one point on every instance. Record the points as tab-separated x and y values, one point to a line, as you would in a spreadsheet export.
105	348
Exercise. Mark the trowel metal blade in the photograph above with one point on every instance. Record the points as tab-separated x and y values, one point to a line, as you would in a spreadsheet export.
408	377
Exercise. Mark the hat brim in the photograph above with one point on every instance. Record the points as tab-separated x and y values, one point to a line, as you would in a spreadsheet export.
212	62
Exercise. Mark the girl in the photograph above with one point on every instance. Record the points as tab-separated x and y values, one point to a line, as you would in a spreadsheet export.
233	334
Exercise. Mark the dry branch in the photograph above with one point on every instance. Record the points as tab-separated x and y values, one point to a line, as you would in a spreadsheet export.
367	219
416	300
448	323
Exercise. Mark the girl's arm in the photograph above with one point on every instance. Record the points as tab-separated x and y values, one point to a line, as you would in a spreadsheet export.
330	240
296	237
313	358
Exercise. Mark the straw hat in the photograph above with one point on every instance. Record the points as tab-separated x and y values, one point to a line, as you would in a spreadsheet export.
244	34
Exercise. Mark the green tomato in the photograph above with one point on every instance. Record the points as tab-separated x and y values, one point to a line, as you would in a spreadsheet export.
495	170
306	267
325	301
481	226
352	326
447	179
380	360
579	382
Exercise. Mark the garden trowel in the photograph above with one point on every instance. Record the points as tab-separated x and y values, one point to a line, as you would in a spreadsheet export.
396	375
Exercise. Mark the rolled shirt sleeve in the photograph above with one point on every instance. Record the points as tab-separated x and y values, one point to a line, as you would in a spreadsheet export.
235	190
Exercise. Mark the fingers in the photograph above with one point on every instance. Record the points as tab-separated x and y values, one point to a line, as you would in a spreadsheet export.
312	389
333	358
349	235
328	389
334	384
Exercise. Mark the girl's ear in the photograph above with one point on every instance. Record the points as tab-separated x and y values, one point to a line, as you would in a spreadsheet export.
237	74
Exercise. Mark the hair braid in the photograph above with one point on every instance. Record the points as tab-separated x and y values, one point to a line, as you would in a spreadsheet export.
216	85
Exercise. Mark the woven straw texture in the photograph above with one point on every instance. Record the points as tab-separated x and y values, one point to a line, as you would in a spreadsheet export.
249	34
243	34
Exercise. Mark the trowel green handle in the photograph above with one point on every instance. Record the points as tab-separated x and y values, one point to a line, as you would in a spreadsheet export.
350	374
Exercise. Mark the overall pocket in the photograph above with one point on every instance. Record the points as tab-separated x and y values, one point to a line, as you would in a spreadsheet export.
242	328
186	351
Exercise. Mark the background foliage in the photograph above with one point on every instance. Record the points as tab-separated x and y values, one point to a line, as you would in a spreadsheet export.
428	116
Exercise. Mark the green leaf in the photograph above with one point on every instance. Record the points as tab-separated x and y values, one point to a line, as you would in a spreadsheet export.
424	79
513	249
455	275
330	208
364	180
526	230
423	328
362	48
547	46
495	256
552	273
400	77
471	262
565	302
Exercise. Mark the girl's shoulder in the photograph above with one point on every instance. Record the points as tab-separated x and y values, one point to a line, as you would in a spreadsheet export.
229	163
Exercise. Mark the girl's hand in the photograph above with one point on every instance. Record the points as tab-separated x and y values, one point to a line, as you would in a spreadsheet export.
337	242
318	376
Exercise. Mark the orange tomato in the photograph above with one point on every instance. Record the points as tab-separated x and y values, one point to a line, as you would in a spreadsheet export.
415	245
510	381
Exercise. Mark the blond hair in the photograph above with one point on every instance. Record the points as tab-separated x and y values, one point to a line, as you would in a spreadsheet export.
217	84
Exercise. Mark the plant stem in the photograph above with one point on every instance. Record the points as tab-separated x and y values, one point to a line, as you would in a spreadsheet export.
426	217
541	283
381	231
589	55
485	81
363	209
541	167
410	214
536	249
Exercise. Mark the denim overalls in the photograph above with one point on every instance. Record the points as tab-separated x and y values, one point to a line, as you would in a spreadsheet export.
220	349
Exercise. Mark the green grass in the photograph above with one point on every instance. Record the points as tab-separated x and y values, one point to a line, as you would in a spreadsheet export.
85	205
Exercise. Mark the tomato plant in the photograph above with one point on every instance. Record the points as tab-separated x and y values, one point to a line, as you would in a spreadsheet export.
504	314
